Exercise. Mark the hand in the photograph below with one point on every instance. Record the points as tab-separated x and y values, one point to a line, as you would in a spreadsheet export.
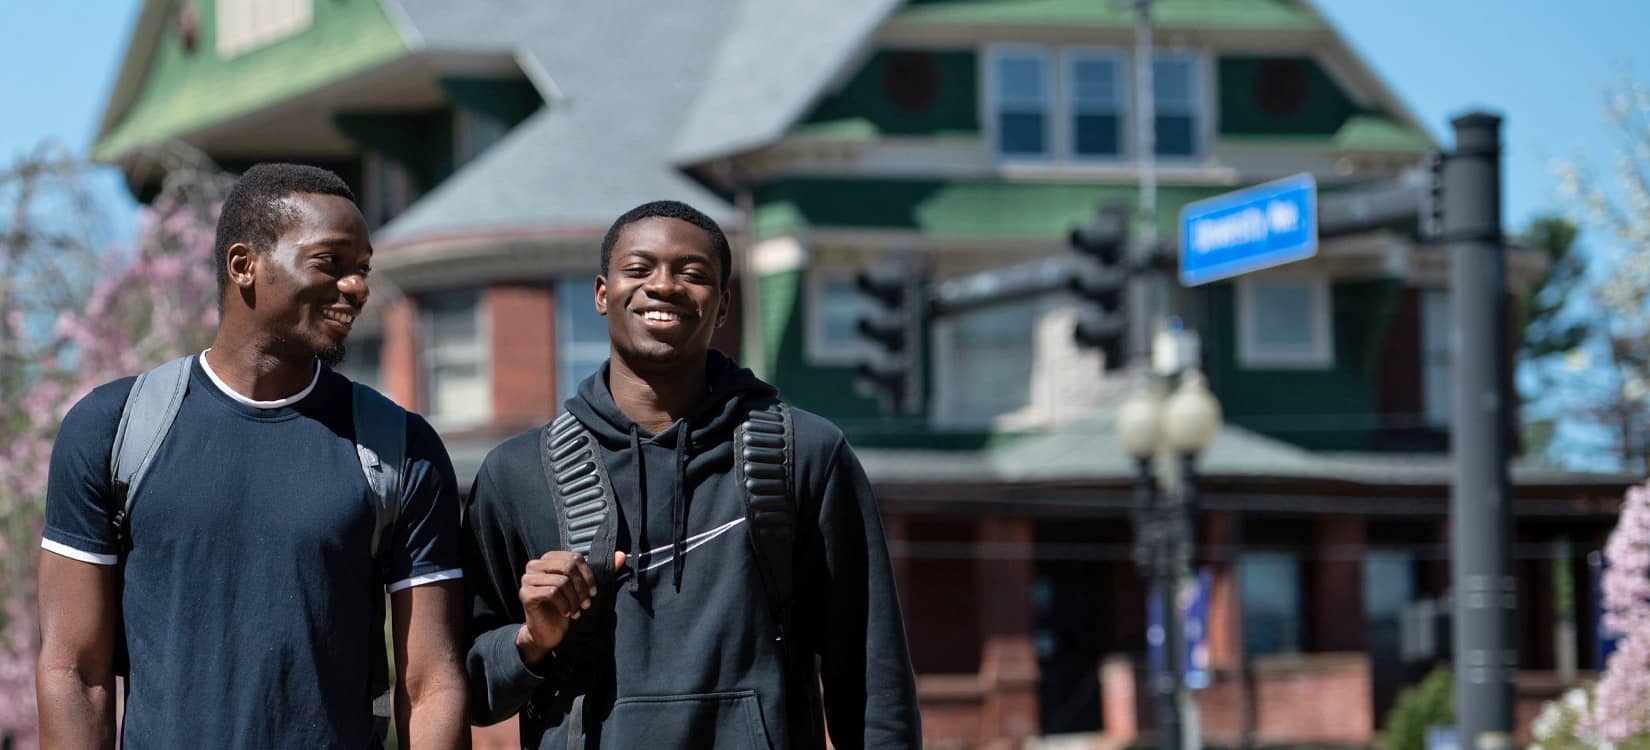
555	590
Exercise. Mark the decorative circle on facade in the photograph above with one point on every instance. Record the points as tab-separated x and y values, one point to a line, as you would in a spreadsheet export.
911	80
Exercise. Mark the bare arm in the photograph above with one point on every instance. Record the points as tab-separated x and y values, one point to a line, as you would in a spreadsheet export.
430	693
75	676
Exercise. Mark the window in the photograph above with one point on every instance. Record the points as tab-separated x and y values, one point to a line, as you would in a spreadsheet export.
389	188
245	25
474	133
1437	318
1269	584
1284	322
364	362
1389	584
985	363
1020	87
456	391
1176	98
834	309
1095	93
581	335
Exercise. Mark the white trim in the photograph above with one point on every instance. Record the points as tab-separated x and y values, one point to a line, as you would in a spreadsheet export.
1051	101
1321	355
95	558
440	575
275	404
820	351
427	344
692	543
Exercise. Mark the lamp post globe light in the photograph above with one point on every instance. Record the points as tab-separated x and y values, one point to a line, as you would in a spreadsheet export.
1191	416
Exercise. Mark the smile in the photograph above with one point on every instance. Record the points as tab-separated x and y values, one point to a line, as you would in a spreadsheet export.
343	318
661	315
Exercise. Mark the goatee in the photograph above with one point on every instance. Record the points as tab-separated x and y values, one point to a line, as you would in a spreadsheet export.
332	356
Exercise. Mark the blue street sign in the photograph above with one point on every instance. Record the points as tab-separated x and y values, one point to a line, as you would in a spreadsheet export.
1246	230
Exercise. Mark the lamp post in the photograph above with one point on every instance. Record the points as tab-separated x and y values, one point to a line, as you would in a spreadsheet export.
1181	425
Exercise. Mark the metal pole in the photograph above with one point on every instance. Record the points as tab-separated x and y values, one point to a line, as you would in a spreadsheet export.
1480	523
1148	297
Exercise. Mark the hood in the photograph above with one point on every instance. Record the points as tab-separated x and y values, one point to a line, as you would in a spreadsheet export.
708	429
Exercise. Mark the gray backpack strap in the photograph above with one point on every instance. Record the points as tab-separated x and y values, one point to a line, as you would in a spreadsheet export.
151	407
581	491
381	444
765	461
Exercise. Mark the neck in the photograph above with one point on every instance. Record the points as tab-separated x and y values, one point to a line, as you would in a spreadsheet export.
655	400
250	366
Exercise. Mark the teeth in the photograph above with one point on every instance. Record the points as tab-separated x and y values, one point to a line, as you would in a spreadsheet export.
338	316
660	315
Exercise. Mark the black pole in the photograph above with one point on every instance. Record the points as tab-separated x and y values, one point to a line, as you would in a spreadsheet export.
1485	595
1154	552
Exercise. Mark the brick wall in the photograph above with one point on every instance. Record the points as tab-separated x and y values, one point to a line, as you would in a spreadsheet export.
522	331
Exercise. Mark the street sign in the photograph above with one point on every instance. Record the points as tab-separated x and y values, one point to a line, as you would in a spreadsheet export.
1246	230
1193	602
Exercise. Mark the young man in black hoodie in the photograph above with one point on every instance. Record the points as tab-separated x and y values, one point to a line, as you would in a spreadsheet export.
671	640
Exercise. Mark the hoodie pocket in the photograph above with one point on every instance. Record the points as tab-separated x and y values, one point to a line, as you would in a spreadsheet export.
720	720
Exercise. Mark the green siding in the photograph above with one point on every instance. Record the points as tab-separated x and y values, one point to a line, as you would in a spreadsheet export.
187	90
1325	107
1330	409
1280	15
971	209
865	101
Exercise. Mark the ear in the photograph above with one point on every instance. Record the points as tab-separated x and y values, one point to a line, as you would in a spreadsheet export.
242	264
601	295
722	307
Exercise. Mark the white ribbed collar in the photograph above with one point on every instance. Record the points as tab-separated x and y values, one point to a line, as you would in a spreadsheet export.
276	404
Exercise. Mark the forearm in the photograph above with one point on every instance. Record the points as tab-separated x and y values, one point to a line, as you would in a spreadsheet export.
435	714
75	712
500	681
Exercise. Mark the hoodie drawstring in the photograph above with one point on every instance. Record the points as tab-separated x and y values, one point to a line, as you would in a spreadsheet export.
640	477
678	505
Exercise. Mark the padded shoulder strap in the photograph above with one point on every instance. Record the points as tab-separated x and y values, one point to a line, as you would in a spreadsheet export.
765	462
580	490
151	408
381	444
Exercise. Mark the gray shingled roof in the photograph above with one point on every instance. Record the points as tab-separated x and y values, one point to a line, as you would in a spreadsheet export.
632	87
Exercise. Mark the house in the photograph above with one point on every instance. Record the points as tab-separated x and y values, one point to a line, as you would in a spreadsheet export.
492	142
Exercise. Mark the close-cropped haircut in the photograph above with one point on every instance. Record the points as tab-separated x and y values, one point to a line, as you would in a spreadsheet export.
256	211
671	210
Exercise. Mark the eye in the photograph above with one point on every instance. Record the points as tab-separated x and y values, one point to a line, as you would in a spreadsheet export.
635	270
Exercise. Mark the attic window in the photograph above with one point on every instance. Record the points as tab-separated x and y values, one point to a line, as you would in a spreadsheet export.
245	25
1279	87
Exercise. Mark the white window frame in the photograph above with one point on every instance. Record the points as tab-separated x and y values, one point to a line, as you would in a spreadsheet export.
1322	353
1203	106
1066	145
427	354
820	350
1052	109
242	26
573	291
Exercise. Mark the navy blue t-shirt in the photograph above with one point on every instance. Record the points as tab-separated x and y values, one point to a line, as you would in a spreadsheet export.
250	591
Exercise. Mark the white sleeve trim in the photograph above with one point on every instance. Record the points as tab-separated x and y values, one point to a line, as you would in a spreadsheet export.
440	575
78	554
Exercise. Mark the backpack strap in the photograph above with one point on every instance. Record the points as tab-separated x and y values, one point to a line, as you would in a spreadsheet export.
581	492
764	457
381	445
151	408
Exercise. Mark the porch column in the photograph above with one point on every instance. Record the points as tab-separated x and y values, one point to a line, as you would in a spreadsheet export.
1008	660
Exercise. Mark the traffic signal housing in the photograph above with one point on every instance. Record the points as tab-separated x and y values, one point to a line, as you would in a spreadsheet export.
1100	281
891	327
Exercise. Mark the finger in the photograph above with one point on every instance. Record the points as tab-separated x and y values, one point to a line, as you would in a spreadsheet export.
568	601
584	578
618	560
557	561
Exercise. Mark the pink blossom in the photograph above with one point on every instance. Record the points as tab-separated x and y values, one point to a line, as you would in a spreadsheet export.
1622	702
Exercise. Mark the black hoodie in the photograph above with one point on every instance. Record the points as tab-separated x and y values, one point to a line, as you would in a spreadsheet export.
683	651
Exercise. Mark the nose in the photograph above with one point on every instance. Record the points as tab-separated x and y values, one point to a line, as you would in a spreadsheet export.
662	282
354	288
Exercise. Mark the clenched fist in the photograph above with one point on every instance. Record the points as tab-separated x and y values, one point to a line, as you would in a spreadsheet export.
555	589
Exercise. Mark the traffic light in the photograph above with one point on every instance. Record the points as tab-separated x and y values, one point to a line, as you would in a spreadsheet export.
892	327
1100	281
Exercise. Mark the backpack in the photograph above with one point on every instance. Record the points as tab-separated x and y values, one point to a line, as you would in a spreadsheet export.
764	462
380	444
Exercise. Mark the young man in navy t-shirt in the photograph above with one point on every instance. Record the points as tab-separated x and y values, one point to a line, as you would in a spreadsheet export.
248	597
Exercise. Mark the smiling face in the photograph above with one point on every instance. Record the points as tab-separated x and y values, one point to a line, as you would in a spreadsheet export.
307	289
662	294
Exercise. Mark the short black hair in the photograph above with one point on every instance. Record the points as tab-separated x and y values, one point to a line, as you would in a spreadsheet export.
254	215
671	210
